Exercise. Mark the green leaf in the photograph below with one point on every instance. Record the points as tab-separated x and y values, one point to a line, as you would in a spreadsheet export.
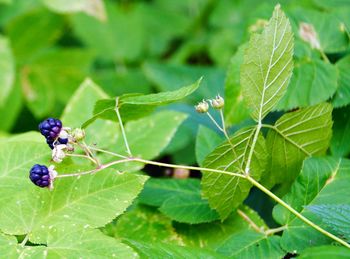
212	235
8	246
340	143
267	65
134	106
296	135
146	224
313	177
206	141
235	108
26	41
325	252
169	251
335	216
51	78
33	210
299	236
90	7
87	243
150	135
342	96
80	107
112	40
187	206
169	77
313	81
7	68
250	244
226	192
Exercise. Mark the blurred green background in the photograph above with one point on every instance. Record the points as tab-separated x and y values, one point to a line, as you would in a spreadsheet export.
48	47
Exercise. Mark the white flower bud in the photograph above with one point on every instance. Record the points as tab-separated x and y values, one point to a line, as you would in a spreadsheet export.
78	134
218	102
58	153
202	107
53	174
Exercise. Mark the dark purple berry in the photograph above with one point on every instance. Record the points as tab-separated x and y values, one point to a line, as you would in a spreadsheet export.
52	143
40	176
50	128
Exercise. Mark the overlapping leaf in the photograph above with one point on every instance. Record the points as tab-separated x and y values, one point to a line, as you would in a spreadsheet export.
298	236
267	65
134	106
297	135
227	192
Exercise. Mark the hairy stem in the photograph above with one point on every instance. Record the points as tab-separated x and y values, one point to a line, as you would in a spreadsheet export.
250	221
122	127
215	123
82	156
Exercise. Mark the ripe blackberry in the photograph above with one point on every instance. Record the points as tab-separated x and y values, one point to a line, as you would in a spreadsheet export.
50	128
40	176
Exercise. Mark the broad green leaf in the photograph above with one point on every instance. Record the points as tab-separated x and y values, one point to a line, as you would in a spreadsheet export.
225	192
94	8
7	68
91	200
325	252
169	77
250	244
170	251
235	108
327	25
134	106
86	243
206	141
312	82
313	177
80	108
340	143
26	41
335	216
51	78
342	96
267	65
299	236
212	235
148	136
187	205
146	224
295	136
112	40
179	199
8	246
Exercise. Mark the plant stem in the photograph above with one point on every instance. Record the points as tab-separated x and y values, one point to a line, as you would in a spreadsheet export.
82	156
107	152
250	221
214	121
122	127
187	167
275	230
296	213
251	151
324	56
25	240
101	167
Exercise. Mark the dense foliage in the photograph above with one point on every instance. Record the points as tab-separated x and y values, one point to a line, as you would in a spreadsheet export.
130	169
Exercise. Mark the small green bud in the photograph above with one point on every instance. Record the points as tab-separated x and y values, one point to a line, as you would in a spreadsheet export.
78	134
218	102
202	107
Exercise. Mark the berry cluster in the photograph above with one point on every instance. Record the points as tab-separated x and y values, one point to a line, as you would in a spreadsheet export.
51	129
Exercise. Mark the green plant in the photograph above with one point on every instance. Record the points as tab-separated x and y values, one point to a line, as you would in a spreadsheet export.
104	205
